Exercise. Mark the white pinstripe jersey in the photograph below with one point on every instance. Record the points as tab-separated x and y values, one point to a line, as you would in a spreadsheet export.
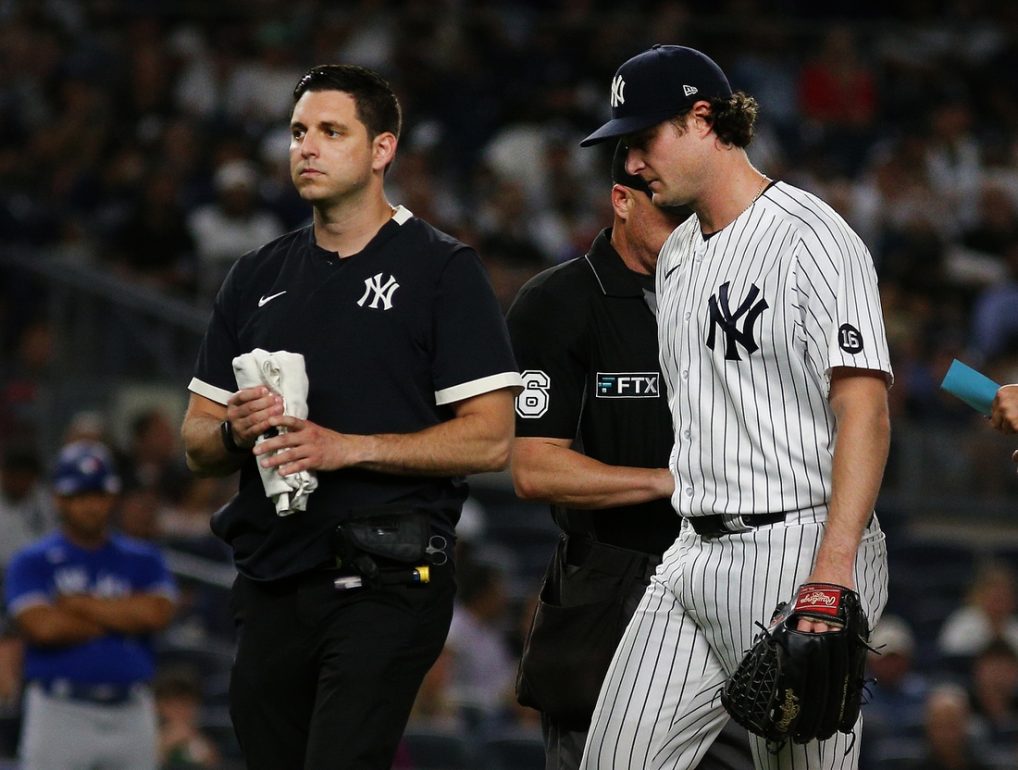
751	321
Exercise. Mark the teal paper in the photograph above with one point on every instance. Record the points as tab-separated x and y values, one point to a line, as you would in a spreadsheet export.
975	389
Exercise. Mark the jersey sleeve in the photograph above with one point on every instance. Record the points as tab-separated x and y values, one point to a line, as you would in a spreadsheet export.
471	343
213	371
154	577
836	284
547	339
27	583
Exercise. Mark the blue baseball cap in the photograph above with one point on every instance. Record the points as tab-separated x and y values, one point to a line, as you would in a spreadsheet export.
85	466
658	84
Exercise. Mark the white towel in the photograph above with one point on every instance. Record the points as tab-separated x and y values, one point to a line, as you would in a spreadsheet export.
282	373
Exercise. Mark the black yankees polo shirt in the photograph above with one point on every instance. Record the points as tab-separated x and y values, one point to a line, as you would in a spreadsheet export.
391	337
585	340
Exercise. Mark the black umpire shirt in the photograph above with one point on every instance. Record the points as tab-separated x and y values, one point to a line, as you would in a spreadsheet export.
391	337
585	339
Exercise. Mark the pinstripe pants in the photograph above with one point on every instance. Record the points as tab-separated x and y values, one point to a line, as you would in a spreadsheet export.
659	707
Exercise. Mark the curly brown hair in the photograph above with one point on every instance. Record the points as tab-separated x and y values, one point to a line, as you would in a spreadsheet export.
734	118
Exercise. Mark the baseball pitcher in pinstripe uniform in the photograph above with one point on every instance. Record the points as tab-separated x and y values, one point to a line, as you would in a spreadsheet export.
774	354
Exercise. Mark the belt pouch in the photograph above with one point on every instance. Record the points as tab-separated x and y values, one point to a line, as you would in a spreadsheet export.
399	535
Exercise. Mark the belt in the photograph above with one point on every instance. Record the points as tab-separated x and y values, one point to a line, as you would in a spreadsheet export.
89	692
719	524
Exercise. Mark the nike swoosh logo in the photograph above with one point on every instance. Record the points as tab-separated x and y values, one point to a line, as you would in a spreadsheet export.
268	299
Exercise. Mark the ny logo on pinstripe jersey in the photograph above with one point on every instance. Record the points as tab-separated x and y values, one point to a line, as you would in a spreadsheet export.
721	315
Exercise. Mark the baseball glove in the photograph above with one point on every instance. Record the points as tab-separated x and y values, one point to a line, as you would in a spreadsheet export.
801	686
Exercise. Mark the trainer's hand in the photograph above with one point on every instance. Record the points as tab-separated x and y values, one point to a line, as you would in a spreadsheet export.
1004	414
304	446
250	411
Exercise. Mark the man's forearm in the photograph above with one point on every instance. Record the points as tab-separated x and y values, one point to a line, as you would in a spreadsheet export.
860	454
52	626
203	447
137	614
558	474
457	447
477	439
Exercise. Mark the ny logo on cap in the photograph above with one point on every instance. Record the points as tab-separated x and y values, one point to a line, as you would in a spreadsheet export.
689	90
618	86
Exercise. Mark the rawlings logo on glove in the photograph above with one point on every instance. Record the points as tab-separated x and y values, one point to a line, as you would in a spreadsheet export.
801	686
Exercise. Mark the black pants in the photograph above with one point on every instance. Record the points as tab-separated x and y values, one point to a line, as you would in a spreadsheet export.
325	679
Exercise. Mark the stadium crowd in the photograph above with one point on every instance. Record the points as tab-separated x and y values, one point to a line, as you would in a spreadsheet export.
150	141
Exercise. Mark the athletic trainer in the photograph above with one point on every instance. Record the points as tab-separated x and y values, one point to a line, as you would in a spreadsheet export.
343	607
775	361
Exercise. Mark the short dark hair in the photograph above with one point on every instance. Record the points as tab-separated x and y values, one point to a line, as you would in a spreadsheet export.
377	106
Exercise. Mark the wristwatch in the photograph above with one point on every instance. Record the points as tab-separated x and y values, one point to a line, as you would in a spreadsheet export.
226	434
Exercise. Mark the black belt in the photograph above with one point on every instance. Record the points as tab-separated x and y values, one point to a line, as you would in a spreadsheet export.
719	524
101	694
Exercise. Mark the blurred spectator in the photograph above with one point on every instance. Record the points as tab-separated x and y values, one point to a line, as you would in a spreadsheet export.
153	458
261	85
232	225
898	694
988	614
435	706
949	741
87	425
182	744
86	602
953	159
188	515
766	67
22	380
483	668
203	75
137	514
26	510
994	318
994	694
995	228
153	246
838	99
510	262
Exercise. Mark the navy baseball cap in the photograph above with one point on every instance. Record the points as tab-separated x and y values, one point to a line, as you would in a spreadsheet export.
85	466
621	176
657	84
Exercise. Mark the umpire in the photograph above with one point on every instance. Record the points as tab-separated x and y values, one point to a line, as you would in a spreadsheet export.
593	439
